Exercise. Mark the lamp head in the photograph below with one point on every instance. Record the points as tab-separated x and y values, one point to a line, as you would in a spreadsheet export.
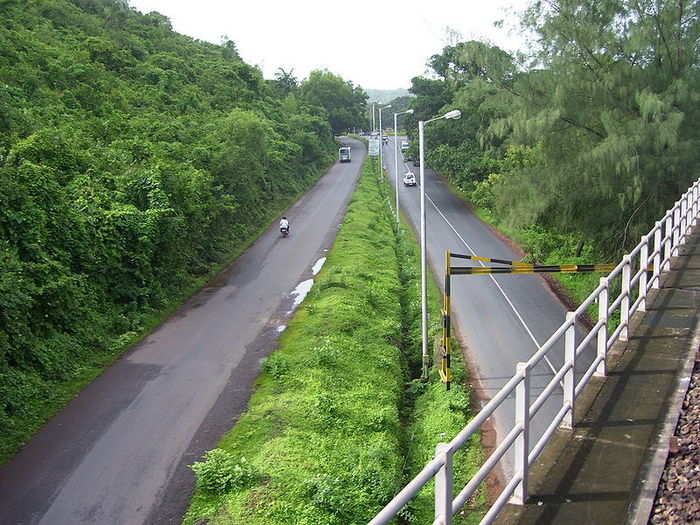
409	111
454	114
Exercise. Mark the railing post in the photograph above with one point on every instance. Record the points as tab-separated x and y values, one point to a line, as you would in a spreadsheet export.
443	486
668	235
522	442
684	218
676	229
625	303
643	277
656	282
570	376
601	369
694	207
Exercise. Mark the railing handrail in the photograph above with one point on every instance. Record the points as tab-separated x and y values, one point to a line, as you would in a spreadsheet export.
664	238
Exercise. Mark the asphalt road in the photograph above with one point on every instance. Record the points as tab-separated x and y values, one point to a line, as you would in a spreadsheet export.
500	319
118	453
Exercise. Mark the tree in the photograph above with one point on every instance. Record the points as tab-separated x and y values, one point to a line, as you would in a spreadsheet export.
614	104
343	102
285	81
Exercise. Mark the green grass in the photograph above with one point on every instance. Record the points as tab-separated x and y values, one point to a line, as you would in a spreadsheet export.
437	415
335	427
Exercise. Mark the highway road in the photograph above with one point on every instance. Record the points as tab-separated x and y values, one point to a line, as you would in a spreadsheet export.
500	319
119	452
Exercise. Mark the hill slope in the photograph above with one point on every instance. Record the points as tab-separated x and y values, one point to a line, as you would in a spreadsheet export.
133	161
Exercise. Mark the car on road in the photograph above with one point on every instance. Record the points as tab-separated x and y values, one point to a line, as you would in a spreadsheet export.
416	161
409	179
404	145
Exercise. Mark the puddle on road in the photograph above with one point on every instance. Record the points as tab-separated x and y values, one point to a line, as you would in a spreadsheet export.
299	293
318	265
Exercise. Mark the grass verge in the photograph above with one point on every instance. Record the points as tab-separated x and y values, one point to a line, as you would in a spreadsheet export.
336	426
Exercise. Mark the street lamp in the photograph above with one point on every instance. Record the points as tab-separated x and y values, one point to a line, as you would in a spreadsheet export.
381	140
454	114
396	157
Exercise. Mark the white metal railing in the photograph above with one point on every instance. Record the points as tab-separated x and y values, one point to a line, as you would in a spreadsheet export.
655	249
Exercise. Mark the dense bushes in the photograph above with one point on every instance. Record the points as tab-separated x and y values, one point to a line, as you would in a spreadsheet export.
331	429
133	161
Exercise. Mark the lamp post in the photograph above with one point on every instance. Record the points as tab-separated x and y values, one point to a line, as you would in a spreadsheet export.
454	114
396	158
381	140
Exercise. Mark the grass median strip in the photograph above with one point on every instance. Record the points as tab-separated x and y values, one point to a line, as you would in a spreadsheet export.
331	433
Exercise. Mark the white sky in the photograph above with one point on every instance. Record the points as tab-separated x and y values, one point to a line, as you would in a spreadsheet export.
378	44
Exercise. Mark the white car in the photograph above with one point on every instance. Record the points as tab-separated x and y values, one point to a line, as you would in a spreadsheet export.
409	179
404	145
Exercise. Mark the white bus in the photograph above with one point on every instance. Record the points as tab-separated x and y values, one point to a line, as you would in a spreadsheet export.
344	154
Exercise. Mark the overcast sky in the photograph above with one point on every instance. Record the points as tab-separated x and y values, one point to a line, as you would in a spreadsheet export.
376	44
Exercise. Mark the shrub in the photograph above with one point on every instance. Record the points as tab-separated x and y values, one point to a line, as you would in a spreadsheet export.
221	473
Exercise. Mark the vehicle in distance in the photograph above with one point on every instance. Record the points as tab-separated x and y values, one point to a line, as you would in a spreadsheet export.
344	154
409	179
404	145
416	161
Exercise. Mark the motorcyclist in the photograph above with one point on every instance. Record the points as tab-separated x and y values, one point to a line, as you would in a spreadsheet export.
284	224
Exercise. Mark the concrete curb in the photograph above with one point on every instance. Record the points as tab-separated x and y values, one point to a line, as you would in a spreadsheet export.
640	512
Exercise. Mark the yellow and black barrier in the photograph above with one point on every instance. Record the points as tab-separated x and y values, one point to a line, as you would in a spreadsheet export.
512	267
533	268
445	365
487	259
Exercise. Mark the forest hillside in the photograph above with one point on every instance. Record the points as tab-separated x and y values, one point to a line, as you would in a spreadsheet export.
133	162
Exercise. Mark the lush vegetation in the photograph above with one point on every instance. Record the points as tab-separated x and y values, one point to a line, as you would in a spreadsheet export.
134	161
336	423
578	146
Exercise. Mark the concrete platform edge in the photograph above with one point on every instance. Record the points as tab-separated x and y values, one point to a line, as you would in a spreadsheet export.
641	511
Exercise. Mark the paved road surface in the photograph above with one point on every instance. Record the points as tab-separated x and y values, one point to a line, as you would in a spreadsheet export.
118	453
503	318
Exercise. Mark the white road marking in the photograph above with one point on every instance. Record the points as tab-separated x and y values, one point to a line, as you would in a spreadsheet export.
505	296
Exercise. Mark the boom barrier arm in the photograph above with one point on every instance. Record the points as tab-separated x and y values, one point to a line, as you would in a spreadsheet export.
513	267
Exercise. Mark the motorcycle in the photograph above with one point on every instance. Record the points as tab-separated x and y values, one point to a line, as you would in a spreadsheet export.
284	230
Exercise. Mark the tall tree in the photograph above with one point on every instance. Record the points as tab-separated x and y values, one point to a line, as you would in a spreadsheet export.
614	103
344	103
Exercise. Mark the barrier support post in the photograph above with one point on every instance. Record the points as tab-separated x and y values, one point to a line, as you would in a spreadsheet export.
676	229
656	282
625	303
601	370
445	364
522	442
643	277
569	376
683	218
668	235
443	486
